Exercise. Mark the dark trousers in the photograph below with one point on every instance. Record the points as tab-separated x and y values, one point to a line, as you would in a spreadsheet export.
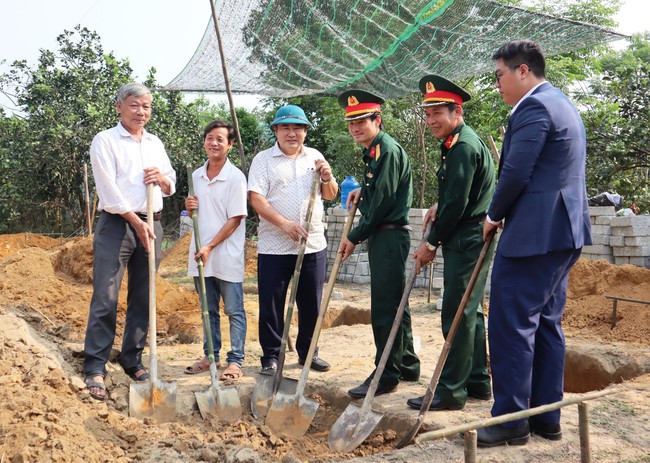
466	366
116	247
387	253
274	274
525	333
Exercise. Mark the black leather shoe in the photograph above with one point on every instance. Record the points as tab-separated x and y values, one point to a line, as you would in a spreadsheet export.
408	376
269	368
436	404
317	364
360	391
493	436
546	430
479	395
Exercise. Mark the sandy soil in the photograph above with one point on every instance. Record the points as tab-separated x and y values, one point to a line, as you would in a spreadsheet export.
47	415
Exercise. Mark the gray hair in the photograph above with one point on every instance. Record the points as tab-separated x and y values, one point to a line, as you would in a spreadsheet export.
131	89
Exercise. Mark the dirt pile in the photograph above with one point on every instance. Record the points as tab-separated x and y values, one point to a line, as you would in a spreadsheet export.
49	416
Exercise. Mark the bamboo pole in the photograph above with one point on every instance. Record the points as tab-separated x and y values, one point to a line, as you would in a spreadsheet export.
583	427
453	430
471	440
231	103
493	147
87	200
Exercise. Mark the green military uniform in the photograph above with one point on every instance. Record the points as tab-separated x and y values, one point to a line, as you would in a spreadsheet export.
386	194
466	183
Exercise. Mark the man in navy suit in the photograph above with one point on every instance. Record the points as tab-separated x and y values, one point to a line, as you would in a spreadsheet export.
541	204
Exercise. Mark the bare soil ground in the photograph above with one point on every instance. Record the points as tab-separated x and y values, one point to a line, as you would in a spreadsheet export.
47	415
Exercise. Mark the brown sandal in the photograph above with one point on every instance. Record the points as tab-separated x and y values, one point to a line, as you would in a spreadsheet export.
232	373
199	367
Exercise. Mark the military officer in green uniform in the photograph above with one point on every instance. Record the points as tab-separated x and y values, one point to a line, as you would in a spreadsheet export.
384	200
466	183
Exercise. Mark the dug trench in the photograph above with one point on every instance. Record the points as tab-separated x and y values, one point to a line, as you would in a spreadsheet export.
47	414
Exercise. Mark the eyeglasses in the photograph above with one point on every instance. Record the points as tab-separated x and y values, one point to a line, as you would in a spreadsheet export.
498	76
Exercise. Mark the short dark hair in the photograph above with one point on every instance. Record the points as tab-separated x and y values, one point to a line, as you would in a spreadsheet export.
516	52
374	116
217	124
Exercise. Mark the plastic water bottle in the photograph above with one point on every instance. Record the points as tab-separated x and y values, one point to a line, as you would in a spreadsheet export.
347	185
186	223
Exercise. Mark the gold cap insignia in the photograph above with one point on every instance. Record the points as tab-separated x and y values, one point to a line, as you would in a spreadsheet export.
352	100
430	87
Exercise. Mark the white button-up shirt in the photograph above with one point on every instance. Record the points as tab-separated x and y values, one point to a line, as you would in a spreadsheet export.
220	199
118	161
286	184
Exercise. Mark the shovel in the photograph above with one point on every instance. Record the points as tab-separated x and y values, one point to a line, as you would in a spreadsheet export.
291	412
267	386
154	398
428	397
356	423
221	402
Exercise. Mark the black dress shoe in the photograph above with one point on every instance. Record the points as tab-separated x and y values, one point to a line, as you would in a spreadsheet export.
360	391
493	436
436	404
269	368
317	364
408	376
546	430
479	395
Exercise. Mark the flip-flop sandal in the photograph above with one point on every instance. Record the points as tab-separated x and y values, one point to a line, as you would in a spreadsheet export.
233	373
132	371
199	367
90	383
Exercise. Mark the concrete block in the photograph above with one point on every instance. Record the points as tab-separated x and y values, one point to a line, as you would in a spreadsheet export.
600	229
601	220
620	260
601	239
362	269
597	249
617	241
363	280
640	261
636	220
632	251
596	211
632	230
637	240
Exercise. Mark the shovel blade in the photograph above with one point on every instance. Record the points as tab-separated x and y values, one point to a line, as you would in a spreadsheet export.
153	399
352	428
291	413
261	397
222	403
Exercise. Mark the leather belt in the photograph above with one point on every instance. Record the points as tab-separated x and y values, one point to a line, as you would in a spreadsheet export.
393	226
156	216
477	219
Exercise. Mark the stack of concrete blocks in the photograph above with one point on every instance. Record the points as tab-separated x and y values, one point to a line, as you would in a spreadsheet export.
618	239
357	269
630	240
601	234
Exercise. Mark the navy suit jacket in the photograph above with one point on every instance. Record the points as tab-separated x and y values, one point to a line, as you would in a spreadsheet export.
541	192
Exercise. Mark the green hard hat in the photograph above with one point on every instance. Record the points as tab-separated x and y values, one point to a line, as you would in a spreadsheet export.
291	114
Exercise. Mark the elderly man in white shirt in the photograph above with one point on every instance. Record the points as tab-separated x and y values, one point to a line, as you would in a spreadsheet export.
125	159
279	186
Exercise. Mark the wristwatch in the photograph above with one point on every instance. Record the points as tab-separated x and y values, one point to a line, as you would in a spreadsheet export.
431	247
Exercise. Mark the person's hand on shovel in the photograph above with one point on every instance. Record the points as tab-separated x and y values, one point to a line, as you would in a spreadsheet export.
191	205
347	247
423	256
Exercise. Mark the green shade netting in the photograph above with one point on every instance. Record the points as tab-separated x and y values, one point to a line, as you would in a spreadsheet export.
286	48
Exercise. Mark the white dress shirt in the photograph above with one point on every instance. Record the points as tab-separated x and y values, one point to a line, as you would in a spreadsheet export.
118	161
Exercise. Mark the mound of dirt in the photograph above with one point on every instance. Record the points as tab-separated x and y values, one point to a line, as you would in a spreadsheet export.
11	243
588	312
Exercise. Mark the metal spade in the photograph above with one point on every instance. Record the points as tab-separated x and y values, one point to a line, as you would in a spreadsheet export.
154	398
356	423
291	412
221	402
267	386
428	396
